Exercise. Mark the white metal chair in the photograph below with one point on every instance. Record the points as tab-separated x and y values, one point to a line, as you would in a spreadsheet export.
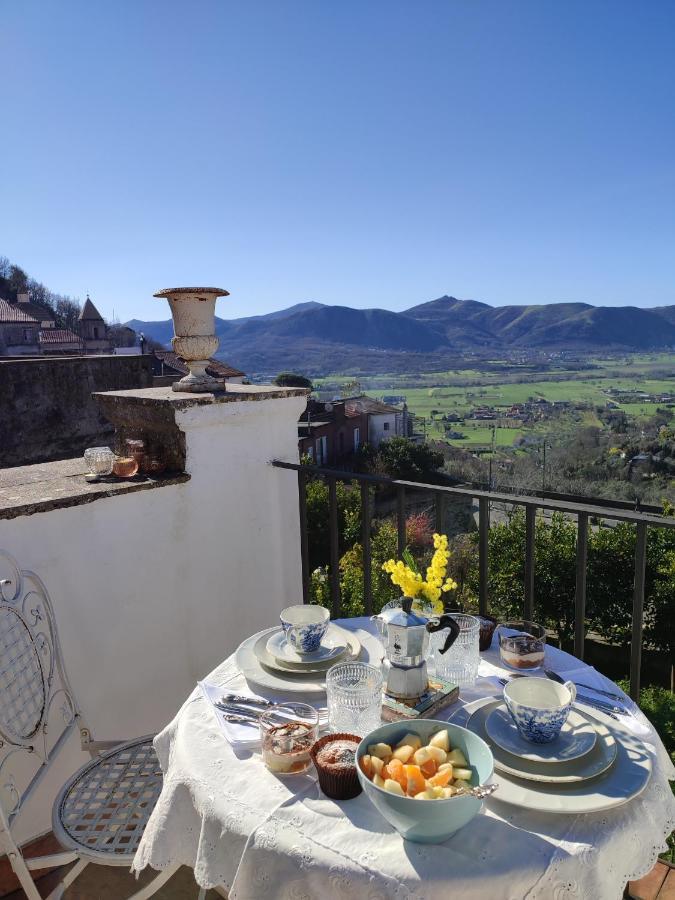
100	813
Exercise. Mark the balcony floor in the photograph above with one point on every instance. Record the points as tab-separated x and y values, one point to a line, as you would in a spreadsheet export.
114	883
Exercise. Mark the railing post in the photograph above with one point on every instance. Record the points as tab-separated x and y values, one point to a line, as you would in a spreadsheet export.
530	522
638	609
365	543
580	592
304	541
400	519
483	525
438	504
334	548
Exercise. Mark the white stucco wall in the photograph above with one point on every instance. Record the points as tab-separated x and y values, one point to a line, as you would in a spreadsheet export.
153	589
376	430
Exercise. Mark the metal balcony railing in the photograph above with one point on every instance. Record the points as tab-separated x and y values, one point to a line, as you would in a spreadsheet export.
581	510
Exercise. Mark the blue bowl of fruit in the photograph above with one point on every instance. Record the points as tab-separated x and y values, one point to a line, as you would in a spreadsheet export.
416	774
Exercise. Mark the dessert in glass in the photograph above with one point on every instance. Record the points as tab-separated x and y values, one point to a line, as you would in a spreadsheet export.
522	644
287	733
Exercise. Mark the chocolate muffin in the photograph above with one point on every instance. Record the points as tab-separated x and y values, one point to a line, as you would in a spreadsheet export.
334	758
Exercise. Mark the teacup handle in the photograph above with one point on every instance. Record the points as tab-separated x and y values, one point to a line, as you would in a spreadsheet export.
572	688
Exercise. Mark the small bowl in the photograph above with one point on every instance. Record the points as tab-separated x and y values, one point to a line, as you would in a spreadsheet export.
432	821
304	626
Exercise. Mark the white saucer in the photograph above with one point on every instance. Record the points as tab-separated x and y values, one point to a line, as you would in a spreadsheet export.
591	765
577	738
331	647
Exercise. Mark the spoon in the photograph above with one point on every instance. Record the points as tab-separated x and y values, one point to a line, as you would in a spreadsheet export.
481	792
555	677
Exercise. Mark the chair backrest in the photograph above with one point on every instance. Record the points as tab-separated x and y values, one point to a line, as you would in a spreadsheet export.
37	706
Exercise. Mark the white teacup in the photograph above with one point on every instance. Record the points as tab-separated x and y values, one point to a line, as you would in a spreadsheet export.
539	707
304	626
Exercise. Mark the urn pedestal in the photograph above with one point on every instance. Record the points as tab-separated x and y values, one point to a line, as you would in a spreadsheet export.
193	311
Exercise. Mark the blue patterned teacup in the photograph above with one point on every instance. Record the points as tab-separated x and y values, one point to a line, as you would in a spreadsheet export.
304	626
539	707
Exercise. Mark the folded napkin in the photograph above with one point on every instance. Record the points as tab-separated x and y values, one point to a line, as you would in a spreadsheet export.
236	734
243	734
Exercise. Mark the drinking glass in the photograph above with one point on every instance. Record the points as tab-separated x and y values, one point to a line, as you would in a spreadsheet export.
100	461
522	644
460	663
354	693
287	733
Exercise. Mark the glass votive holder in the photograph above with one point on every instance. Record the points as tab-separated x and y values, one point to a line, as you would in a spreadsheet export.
522	644
125	466
460	663
100	462
354	692
287	733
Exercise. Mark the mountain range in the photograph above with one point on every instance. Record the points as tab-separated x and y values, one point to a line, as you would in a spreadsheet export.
317	339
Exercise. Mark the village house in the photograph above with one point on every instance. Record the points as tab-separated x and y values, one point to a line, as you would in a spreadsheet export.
328	433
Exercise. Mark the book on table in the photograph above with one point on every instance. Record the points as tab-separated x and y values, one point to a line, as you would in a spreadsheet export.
439	695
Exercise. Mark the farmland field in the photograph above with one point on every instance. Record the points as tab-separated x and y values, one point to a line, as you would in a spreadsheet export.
430	396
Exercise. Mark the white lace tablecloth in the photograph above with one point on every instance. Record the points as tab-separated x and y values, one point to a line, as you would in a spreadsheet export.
239	826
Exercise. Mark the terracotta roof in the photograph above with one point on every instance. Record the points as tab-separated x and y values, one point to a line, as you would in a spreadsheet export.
10	313
41	313
58	336
89	311
214	368
369	406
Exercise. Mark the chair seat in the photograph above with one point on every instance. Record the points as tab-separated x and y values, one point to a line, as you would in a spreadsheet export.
102	810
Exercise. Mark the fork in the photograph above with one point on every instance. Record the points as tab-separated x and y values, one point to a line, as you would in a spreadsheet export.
589	687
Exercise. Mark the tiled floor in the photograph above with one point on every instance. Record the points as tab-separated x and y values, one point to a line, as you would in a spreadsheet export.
659	884
112	883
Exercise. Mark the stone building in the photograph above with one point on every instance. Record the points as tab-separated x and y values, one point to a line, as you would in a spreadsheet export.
93	330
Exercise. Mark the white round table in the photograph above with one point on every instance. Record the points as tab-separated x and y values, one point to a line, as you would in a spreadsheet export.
238	826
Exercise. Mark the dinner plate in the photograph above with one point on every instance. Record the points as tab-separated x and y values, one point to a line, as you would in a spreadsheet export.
577	738
349	641
292	681
332	646
626	779
591	765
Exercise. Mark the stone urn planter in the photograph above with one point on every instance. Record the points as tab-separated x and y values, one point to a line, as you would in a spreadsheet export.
193	310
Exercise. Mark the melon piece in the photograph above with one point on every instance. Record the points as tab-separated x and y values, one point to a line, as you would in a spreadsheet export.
462	774
411	740
457	758
383	751
439	755
421	756
393	787
425	795
416	782
365	765
440	739
441	768
403	753
376	764
378	780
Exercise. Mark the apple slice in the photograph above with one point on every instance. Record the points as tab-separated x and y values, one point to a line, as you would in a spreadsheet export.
457	758
410	740
393	787
403	753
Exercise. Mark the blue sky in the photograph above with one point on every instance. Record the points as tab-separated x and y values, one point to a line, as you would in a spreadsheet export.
366	152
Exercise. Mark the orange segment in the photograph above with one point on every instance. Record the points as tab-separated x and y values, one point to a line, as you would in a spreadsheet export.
440	779
415	780
396	772
429	768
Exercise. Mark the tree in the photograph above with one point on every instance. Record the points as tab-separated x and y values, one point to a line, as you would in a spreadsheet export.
290	379
402	458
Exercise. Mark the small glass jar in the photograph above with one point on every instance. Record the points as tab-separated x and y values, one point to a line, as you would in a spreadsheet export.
135	447
125	466
287	733
522	645
460	663
100	462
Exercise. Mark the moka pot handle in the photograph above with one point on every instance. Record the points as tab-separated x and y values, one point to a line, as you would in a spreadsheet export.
441	622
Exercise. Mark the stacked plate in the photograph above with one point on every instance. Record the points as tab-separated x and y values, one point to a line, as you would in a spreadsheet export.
588	768
268	659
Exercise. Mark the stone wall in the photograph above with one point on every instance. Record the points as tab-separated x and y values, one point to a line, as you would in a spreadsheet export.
46	408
